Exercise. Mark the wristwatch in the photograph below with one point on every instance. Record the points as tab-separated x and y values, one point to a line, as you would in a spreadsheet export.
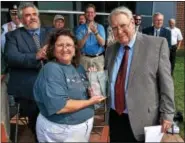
96	33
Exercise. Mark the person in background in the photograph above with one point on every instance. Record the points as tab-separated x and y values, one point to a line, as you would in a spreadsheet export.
138	20
58	21
141	86
157	29
60	91
110	37
25	55
10	26
176	39
91	41
81	19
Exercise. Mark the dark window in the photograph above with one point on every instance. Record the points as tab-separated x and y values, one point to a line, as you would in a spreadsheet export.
131	5
146	21
109	6
144	8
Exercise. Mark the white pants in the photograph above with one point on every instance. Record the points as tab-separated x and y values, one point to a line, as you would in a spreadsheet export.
48	131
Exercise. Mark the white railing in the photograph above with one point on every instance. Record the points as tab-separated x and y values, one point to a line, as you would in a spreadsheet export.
69	12
61	11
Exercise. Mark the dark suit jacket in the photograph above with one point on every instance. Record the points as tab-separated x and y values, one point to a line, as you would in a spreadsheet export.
163	33
20	55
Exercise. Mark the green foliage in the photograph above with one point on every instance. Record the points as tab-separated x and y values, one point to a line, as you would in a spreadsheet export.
179	86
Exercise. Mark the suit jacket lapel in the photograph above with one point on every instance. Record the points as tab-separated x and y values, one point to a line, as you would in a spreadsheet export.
28	39
161	34
135	60
152	31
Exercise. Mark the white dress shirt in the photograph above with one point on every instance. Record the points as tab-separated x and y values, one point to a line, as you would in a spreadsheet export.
156	32
176	35
5	30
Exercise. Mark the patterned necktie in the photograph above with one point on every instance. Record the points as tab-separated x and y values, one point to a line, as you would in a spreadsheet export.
37	43
120	83
36	40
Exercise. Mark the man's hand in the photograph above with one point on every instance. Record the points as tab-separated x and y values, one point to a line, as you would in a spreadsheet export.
93	27
165	125
41	54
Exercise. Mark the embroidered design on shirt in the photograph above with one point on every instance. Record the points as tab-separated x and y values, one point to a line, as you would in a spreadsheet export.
68	80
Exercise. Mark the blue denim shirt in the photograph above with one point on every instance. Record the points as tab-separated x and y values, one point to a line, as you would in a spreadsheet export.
91	46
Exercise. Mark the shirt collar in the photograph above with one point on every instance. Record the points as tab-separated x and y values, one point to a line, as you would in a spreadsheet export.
157	29
132	41
37	31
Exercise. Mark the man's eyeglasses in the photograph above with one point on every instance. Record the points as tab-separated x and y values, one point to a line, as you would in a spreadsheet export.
122	27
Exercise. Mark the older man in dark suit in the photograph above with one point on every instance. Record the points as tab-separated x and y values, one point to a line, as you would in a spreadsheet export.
141	88
25	57
157	29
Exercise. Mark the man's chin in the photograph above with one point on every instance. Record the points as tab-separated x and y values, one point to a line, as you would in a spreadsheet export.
33	27
124	42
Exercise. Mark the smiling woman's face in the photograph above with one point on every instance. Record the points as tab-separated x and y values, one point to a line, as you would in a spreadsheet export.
64	49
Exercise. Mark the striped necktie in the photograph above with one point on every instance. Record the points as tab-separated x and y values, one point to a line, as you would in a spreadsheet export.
37	43
36	40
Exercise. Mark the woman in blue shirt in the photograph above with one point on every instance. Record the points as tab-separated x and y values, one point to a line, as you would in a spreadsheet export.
66	108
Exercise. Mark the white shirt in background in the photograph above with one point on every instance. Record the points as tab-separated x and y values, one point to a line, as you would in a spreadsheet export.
6	30
176	35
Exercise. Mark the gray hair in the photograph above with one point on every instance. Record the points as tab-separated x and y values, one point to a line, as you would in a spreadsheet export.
26	5
157	14
172	19
120	10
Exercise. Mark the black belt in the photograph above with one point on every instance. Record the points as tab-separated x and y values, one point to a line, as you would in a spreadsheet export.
114	111
92	56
